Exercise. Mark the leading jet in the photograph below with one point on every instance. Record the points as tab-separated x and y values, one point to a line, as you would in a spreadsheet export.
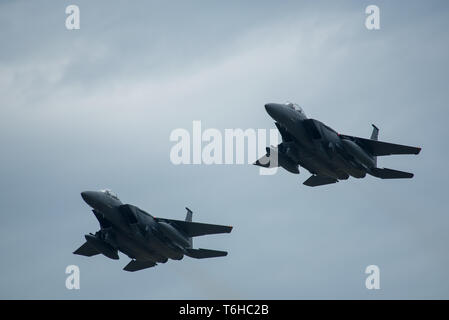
328	155
146	239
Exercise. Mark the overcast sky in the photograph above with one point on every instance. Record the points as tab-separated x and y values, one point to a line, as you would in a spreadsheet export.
94	108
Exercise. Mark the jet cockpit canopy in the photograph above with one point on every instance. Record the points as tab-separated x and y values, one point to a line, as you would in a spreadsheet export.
110	193
296	107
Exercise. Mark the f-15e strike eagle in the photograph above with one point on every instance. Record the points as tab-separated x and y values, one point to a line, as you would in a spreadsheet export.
326	154
147	240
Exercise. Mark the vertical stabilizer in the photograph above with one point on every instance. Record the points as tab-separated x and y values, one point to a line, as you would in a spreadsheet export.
189	215
189	219
375	133
375	136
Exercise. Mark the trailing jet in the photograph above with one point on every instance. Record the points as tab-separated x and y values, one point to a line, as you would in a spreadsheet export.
326	154
147	240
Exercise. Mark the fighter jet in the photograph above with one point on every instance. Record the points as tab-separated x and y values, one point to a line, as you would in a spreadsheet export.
146	239
328	155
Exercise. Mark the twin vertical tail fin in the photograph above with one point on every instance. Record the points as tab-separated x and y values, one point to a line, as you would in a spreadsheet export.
189	215
375	136
375	133
203	253
189	219
385	173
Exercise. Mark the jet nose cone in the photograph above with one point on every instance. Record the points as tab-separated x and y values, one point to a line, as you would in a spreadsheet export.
275	111
88	197
85	195
268	107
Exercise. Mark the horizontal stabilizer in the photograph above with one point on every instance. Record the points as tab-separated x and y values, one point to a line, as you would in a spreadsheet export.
87	250
385	173
205	253
195	229
136	265
315	181
380	148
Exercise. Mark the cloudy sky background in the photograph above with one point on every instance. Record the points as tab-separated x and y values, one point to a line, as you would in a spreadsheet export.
94	108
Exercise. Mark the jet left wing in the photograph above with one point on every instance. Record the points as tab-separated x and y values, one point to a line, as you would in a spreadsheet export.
316	180
204	253
380	148
385	173
136	265
195	229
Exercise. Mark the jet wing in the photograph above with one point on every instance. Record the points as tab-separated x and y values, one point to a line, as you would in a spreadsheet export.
385	173
136	265
195	229
205	253
315	181
86	250
380	148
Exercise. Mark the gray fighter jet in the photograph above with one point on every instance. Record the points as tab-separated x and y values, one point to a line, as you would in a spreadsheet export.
147	240
326	154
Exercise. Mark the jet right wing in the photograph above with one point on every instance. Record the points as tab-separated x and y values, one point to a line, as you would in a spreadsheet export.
86	250
136	265
380	148
195	229
316	180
